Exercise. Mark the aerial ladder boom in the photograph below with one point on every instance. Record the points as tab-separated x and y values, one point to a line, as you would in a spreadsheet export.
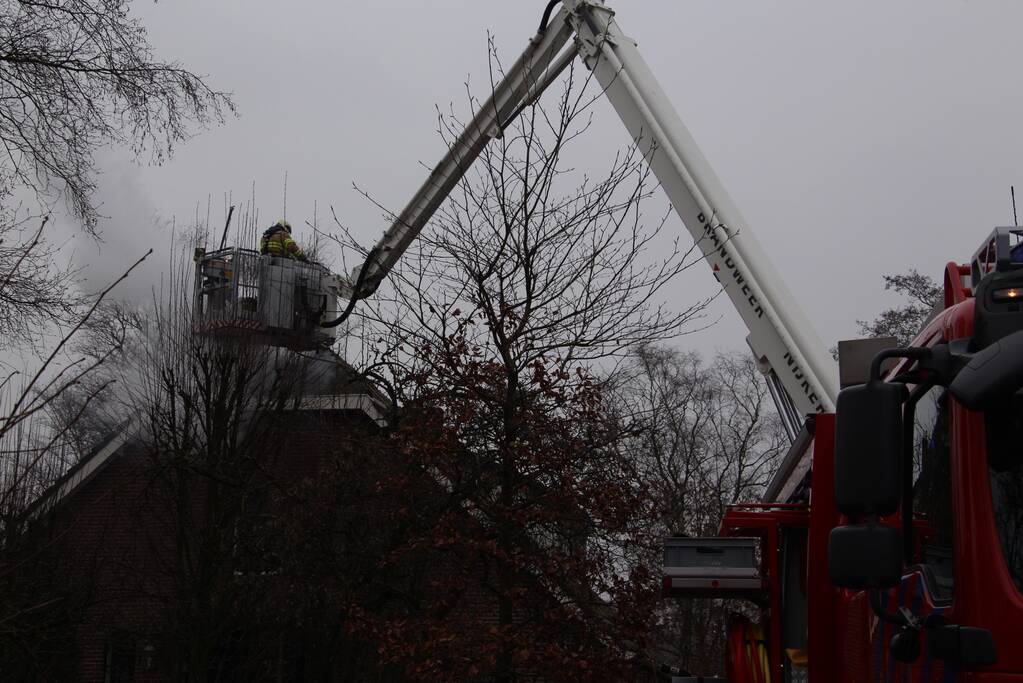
801	374
538	66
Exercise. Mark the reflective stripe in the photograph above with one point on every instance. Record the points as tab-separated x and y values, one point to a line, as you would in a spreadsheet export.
280	244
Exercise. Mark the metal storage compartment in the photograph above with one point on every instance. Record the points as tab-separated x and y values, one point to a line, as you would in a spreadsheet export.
712	567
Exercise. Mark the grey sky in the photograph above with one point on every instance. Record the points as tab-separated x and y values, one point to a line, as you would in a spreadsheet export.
856	138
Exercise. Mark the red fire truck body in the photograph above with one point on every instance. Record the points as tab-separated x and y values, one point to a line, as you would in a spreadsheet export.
975	585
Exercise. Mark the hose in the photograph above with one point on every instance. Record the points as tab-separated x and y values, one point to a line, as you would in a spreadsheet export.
747	660
758	652
737	665
356	291
547	16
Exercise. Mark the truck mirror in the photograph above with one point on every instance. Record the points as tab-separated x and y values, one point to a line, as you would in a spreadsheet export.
868	448
993	373
966	645
1003	423
865	556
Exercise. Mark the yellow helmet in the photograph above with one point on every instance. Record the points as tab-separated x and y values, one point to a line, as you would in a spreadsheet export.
283	224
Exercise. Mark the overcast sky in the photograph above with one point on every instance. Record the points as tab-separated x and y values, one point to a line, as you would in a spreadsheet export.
858	139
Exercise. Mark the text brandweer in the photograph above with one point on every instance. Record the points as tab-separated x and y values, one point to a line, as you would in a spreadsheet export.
740	282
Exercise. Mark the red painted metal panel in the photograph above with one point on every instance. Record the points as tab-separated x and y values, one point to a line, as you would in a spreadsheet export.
955	290
766	520
985	594
822	629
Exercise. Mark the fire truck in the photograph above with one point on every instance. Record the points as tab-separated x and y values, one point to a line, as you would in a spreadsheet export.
889	544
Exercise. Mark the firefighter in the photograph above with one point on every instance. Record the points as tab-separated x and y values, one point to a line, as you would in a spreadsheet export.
277	241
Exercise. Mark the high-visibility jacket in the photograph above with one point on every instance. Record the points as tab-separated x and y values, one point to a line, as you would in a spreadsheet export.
277	242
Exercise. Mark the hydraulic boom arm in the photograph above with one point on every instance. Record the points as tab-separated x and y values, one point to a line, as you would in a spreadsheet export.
800	373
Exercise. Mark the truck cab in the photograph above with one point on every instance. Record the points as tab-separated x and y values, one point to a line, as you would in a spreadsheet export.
891	544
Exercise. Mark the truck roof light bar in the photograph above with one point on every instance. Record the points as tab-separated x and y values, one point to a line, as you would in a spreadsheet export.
998	254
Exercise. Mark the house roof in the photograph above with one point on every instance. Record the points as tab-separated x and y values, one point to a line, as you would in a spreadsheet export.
328	374
329	384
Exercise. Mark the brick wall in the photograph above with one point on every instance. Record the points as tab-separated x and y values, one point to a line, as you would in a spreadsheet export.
113	537
110	536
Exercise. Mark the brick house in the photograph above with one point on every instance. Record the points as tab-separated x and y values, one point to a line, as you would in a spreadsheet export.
121	544
107	532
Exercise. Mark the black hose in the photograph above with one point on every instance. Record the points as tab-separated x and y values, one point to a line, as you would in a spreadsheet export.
344	315
547	16
356	291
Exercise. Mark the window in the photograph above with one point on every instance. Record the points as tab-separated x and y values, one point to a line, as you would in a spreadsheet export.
1005	468
120	658
932	490
254	545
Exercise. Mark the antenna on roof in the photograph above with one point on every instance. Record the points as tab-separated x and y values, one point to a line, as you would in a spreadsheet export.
1012	191
223	239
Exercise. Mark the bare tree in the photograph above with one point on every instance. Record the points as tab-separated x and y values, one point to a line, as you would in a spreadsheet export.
205	417
213	420
38	600
80	74
707	436
76	75
37	293
31	447
529	283
533	259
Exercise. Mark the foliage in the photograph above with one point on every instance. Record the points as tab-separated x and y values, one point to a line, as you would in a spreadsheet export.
36	293
905	321
80	74
504	530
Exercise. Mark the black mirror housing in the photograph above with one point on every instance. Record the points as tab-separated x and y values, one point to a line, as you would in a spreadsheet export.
965	645
865	556
994	373
868	448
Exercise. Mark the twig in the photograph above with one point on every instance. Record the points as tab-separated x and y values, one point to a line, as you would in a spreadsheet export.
13	413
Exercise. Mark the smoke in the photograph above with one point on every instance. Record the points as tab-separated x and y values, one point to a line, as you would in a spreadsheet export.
131	226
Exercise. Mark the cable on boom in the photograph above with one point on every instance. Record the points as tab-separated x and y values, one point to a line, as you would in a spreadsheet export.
356	295
546	16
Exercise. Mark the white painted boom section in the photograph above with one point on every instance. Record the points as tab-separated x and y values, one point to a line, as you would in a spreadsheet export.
780	334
